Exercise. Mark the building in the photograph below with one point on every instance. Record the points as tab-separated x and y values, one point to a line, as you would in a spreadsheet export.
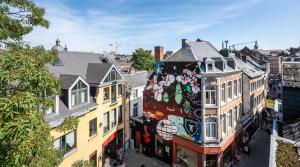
137	82
93	90
291	88
254	81
193	107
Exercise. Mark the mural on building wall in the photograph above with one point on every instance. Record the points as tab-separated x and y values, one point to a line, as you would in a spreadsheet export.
172	96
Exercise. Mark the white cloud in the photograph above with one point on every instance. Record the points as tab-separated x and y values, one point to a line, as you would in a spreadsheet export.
93	30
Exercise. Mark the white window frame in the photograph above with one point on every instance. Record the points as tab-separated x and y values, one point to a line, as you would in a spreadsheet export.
208	124
230	92
210	97
70	92
223	93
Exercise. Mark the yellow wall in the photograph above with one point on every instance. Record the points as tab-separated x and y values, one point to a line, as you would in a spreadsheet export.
87	145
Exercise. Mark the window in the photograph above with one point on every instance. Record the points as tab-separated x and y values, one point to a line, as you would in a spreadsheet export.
93	159
106	94
223	121
230	118
240	86
93	127
112	76
66	143
210	95
235	87
120	89
120	114
240	110
211	128
135	93
113	93
223	92
79	94
236	114
135	109
230	90
106	122
209	67
114	118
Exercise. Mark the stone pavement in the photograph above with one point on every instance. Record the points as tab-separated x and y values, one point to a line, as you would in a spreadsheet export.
259	151
133	159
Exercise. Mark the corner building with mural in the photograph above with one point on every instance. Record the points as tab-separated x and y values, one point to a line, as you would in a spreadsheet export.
192	107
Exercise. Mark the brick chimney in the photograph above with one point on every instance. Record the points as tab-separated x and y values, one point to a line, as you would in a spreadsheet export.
158	53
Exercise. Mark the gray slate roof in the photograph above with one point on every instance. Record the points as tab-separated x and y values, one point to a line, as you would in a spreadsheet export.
75	63
138	79
195	51
249	69
96	72
67	80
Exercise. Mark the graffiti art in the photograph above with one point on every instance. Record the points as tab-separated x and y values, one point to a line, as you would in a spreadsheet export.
174	89
165	128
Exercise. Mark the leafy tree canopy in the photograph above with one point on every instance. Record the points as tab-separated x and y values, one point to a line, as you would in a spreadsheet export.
26	86
142	59
18	18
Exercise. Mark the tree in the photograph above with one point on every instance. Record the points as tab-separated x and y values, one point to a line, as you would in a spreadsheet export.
26	87
142	59
18	18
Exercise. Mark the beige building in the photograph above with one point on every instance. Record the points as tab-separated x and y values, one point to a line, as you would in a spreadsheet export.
93	90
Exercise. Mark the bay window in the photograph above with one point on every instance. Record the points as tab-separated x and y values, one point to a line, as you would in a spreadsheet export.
106	94
120	89
120	114
223	123
211	127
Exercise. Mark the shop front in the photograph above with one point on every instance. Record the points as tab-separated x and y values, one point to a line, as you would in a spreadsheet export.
190	154
112	145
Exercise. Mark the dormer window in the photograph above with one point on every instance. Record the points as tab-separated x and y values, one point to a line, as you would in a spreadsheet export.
113	75
224	66
79	94
209	67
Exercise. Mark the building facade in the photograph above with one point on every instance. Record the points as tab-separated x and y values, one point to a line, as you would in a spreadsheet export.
254	81
193	106
291	89
137	82
93	90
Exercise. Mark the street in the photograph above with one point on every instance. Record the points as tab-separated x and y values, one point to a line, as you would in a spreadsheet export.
259	151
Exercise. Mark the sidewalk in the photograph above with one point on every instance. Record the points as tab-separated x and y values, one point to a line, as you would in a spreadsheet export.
259	151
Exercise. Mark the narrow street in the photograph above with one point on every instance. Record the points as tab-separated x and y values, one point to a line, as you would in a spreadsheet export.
133	159
259	151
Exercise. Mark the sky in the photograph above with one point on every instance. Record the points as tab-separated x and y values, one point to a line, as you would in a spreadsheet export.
96	25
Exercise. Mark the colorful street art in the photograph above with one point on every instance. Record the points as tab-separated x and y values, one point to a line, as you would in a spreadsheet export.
166	128
173	94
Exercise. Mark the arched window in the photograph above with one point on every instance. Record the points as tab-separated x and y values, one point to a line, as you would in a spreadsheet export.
79	94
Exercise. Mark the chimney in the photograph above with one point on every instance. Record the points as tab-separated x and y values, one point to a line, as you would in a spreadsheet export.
158	53
183	43
244	57
226	44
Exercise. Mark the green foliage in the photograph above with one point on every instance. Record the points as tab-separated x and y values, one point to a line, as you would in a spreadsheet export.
25	86
18	17
70	123
286	155
142	59
81	163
